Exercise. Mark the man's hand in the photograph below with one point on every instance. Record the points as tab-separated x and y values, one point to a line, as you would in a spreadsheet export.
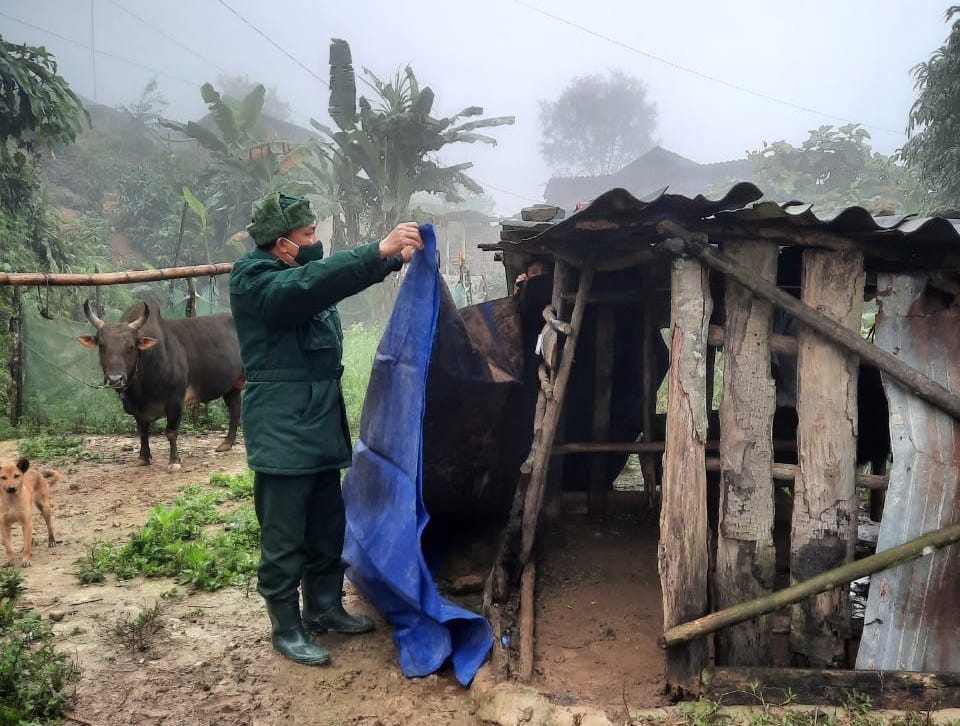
404	239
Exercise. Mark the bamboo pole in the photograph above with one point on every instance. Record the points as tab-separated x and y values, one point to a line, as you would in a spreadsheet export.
908	551
917	383
111	278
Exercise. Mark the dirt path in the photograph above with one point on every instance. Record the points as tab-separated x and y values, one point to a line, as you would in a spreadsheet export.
213	664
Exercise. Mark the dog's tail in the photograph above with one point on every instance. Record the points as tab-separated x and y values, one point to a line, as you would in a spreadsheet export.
51	476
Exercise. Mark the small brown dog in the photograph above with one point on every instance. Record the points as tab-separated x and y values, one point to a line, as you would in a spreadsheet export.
22	488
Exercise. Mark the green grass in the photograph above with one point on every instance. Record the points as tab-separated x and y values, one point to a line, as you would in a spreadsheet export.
207	539
360	343
35	679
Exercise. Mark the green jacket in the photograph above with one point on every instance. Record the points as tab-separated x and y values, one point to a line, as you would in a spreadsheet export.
291	344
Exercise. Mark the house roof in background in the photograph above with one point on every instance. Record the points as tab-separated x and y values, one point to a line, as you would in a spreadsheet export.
656	169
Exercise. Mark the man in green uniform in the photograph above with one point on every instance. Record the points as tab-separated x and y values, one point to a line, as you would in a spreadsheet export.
283	295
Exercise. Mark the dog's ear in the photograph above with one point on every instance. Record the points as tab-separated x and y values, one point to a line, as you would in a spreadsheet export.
23	465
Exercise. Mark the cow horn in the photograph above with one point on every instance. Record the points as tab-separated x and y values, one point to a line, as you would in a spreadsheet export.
138	323
92	316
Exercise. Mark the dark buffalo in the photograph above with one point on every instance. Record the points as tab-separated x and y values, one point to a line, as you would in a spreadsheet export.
157	366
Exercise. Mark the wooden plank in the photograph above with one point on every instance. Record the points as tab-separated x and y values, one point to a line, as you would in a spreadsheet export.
603	391
682	554
648	390
746	556
918	383
824	527
777	686
912	613
786	344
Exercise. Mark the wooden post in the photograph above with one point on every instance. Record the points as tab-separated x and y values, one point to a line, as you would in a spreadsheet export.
564	280
191	307
16	359
824	526
648	388
913	611
746	556
603	384
682	554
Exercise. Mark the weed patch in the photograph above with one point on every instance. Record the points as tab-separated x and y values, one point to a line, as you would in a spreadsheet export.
35	680
47	448
207	539
138	632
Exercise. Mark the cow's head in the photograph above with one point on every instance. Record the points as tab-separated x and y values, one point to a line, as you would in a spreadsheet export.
119	345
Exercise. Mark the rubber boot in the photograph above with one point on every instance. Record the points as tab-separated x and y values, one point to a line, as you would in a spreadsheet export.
323	606
288	636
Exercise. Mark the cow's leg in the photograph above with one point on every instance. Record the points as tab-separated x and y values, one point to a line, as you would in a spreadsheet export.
174	411
232	399
143	428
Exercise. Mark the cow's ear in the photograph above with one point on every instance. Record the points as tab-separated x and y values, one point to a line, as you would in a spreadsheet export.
23	465
146	343
88	340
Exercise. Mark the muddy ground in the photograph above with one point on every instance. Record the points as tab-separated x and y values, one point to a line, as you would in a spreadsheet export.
598	618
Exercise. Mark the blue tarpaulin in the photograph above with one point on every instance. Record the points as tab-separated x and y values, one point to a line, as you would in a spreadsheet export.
383	491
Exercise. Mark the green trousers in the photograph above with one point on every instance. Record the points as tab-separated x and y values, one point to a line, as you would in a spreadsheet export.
302	524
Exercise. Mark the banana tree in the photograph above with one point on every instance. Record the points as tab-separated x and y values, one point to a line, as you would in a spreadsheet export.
242	165
382	152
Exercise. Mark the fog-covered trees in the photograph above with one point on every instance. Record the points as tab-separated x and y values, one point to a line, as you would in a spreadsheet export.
598	125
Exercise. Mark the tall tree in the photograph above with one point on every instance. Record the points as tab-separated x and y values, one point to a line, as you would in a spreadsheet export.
933	147
598	125
834	168
385	150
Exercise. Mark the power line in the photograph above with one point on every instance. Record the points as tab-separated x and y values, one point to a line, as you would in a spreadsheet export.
507	191
163	34
192	84
273	43
700	74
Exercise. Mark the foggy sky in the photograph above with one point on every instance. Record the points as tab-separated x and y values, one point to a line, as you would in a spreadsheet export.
847	60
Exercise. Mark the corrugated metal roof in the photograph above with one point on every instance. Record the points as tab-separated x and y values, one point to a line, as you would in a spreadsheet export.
617	219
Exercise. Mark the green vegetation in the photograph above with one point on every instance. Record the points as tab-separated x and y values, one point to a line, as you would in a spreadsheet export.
833	169
136	632
931	150
207	539
856	711
35	679
359	349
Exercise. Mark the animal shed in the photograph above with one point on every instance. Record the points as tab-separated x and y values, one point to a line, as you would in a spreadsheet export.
725	274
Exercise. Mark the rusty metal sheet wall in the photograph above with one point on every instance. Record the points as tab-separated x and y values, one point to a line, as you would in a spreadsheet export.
912	619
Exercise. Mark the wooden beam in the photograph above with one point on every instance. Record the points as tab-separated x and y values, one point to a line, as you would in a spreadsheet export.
788	472
602	395
786	344
896	690
746	556
914	381
112	278
912	550
824	527
682	556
